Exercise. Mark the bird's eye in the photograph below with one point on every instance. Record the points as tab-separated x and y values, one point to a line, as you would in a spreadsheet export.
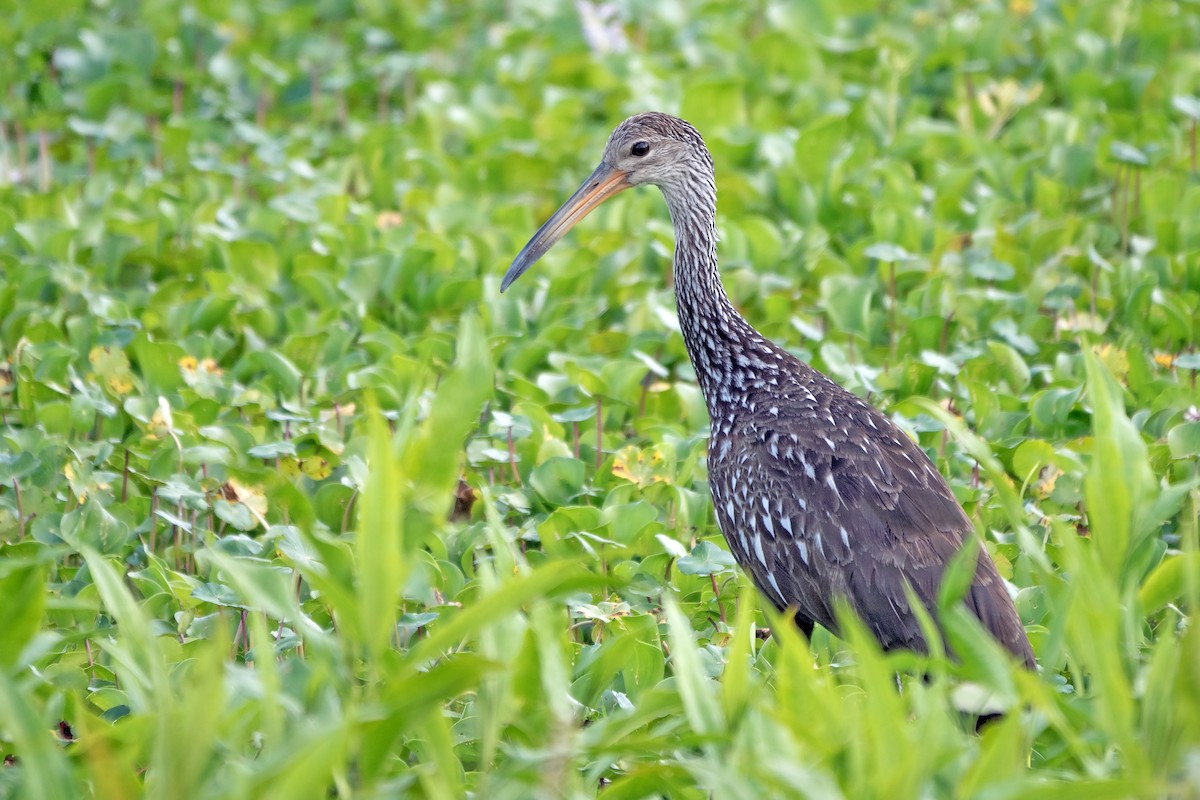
640	149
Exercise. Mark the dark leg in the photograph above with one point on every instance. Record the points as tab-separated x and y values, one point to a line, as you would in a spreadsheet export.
805	625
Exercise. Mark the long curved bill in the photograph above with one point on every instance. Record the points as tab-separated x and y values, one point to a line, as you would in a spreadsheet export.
603	184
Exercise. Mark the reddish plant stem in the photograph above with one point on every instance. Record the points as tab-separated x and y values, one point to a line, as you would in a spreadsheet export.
346	513
154	520
512	458
246	643
125	478
177	533
720	607
22	152
43	161
381	99
239	636
191	556
599	431
892	310
1137	193
1193	145
314	82
5	170
152	126
20	509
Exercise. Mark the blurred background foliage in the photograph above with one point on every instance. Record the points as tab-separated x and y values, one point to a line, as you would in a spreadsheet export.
294	504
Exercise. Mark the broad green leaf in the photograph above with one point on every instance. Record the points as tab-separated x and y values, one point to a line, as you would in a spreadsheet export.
23	588
558	480
705	559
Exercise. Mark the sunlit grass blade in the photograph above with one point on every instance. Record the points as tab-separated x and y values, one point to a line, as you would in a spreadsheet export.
142	668
22	586
1120	485
736	690
380	546
509	595
43	770
997	476
308	769
1094	628
190	727
267	588
431	460
695	688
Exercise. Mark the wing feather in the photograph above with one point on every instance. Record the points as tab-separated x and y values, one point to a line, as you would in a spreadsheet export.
835	500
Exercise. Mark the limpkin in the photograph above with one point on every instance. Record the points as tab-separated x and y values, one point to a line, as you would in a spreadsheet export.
818	494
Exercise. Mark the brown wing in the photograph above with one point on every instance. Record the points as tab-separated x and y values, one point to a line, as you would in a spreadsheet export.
822	496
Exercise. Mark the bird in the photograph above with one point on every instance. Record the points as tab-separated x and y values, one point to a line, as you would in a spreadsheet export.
821	498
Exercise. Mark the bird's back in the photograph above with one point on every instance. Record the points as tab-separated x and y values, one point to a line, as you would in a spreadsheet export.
820	495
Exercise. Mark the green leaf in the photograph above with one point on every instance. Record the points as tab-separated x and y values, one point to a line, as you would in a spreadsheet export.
380	547
558	480
255	262
22	586
434	455
273	450
1120	486
46	771
1187	105
15	466
886	251
705	559
695	688
235	514
1184	440
1128	154
1169	581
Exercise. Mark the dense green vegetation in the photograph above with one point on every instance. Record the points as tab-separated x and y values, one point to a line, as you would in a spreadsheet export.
294	504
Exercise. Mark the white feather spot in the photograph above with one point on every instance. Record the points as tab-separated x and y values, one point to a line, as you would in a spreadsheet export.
775	586
758	550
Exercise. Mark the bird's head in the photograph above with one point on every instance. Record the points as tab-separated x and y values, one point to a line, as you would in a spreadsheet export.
649	148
